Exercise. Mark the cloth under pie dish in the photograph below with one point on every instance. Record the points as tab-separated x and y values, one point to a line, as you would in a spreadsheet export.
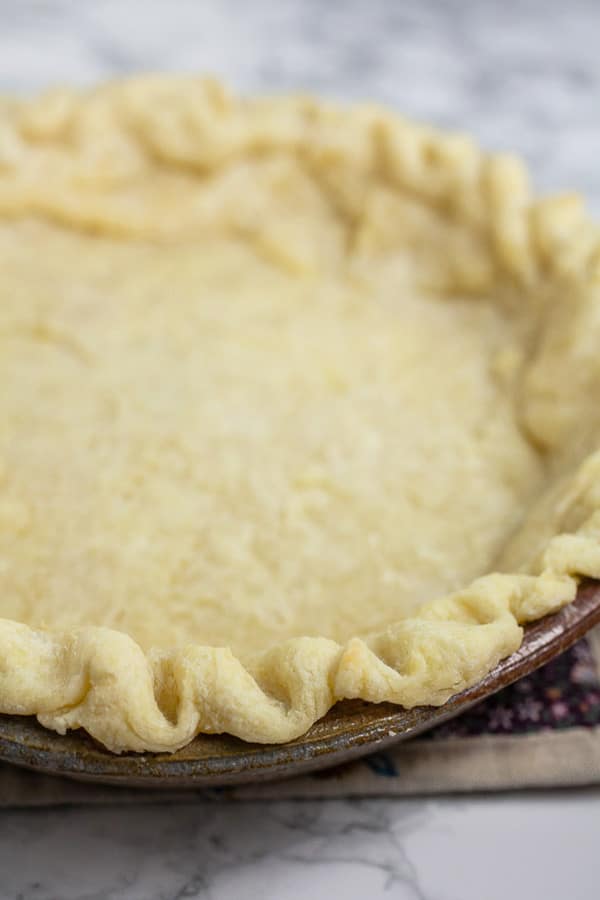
299	403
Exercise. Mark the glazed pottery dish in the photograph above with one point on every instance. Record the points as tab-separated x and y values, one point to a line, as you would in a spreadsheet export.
298	404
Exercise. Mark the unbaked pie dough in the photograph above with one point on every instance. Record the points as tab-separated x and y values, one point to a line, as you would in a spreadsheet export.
297	404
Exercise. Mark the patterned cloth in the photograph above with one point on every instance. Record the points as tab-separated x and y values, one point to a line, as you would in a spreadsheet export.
565	693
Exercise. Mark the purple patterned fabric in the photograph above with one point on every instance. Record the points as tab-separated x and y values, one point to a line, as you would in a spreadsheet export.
563	694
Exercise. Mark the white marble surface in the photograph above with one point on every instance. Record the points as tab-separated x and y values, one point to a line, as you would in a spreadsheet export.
511	846
520	75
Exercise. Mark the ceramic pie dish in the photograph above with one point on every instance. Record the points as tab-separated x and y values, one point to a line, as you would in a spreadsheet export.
350	729
299	407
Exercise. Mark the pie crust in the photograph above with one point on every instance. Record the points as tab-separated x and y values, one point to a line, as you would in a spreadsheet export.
299	403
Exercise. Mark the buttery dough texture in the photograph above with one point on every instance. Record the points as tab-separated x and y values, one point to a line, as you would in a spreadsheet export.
297	404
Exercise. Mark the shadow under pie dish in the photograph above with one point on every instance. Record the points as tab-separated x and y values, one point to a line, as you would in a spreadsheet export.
299	405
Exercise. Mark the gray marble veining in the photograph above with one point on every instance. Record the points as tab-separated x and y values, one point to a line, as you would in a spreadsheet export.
523	76
448	849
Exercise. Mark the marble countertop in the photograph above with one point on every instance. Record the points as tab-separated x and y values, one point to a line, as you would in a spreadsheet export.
510	847
522	76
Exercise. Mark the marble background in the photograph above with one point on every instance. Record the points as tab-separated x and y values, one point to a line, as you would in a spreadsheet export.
520	75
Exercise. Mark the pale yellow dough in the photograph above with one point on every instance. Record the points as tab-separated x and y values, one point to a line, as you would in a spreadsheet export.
297	404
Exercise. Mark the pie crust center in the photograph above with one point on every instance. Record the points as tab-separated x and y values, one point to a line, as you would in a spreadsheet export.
203	446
